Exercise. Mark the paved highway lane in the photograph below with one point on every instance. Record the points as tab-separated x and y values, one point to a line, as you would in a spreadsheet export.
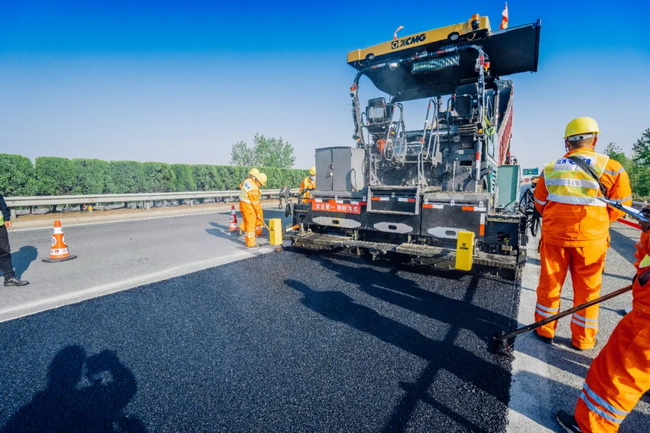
280	342
114	256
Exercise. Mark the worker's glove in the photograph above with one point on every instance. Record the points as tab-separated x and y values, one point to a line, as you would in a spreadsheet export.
643	277
646	213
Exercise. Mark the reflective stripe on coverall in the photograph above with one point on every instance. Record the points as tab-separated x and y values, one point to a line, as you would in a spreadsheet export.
307	184
620	374
575	237
249	205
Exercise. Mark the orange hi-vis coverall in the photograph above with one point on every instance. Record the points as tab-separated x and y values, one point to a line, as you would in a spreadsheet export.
620	374
575	237
305	188
251	209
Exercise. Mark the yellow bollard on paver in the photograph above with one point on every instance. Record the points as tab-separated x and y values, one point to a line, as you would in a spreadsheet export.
464	251
275	231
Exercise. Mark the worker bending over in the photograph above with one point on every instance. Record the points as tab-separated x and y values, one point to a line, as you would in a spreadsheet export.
250	207
620	374
308	184
575	229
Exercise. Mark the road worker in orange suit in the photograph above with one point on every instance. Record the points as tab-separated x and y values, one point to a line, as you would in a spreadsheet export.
620	374
251	175
575	229
308	184
250	207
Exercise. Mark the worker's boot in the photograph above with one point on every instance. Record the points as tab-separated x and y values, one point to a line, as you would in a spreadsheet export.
543	339
13	281
567	422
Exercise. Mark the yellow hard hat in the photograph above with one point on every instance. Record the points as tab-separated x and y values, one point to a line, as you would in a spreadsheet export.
312	170
254	172
580	126
261	177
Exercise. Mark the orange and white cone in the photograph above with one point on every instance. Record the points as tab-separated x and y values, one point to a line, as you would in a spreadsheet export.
59	251
233	220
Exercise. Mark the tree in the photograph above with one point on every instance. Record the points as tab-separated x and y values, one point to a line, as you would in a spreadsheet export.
641	149
641	158
273	152
241	154
616	153
266	152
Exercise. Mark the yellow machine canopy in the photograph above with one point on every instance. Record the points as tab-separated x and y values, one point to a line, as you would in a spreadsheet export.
435	62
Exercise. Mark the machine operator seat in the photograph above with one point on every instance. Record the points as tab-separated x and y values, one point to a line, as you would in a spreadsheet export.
378	115
462	105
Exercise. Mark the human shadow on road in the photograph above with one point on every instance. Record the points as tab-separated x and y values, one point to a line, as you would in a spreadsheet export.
560	355
22	258
484	375
221	231
623	245
84	394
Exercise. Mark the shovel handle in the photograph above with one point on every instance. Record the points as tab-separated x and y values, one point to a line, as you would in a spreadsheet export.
566	313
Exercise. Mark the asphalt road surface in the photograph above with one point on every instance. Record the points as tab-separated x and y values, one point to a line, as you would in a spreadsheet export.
214	340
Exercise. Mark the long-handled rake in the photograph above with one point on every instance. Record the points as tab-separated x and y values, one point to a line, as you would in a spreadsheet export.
502	342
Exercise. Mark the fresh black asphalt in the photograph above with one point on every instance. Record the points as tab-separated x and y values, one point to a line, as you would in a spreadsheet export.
283	342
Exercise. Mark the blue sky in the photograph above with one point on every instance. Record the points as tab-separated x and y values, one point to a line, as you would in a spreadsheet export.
181	81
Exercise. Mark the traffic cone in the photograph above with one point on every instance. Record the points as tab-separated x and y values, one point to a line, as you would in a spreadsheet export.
233	220
59	251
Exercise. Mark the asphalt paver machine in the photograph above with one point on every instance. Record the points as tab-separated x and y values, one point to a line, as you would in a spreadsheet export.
442	190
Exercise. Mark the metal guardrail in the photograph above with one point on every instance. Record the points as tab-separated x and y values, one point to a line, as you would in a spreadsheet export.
145	198
53	200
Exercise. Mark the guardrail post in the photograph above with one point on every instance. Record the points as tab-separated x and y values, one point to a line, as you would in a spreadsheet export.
13	213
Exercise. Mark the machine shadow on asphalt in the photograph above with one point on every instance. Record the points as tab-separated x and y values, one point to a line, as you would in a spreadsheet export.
399	263
83	393
465	359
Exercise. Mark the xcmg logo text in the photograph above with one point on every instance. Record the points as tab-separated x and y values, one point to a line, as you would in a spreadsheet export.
408	41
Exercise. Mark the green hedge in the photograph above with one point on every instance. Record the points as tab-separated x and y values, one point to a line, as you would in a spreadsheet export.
16	175
62	176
